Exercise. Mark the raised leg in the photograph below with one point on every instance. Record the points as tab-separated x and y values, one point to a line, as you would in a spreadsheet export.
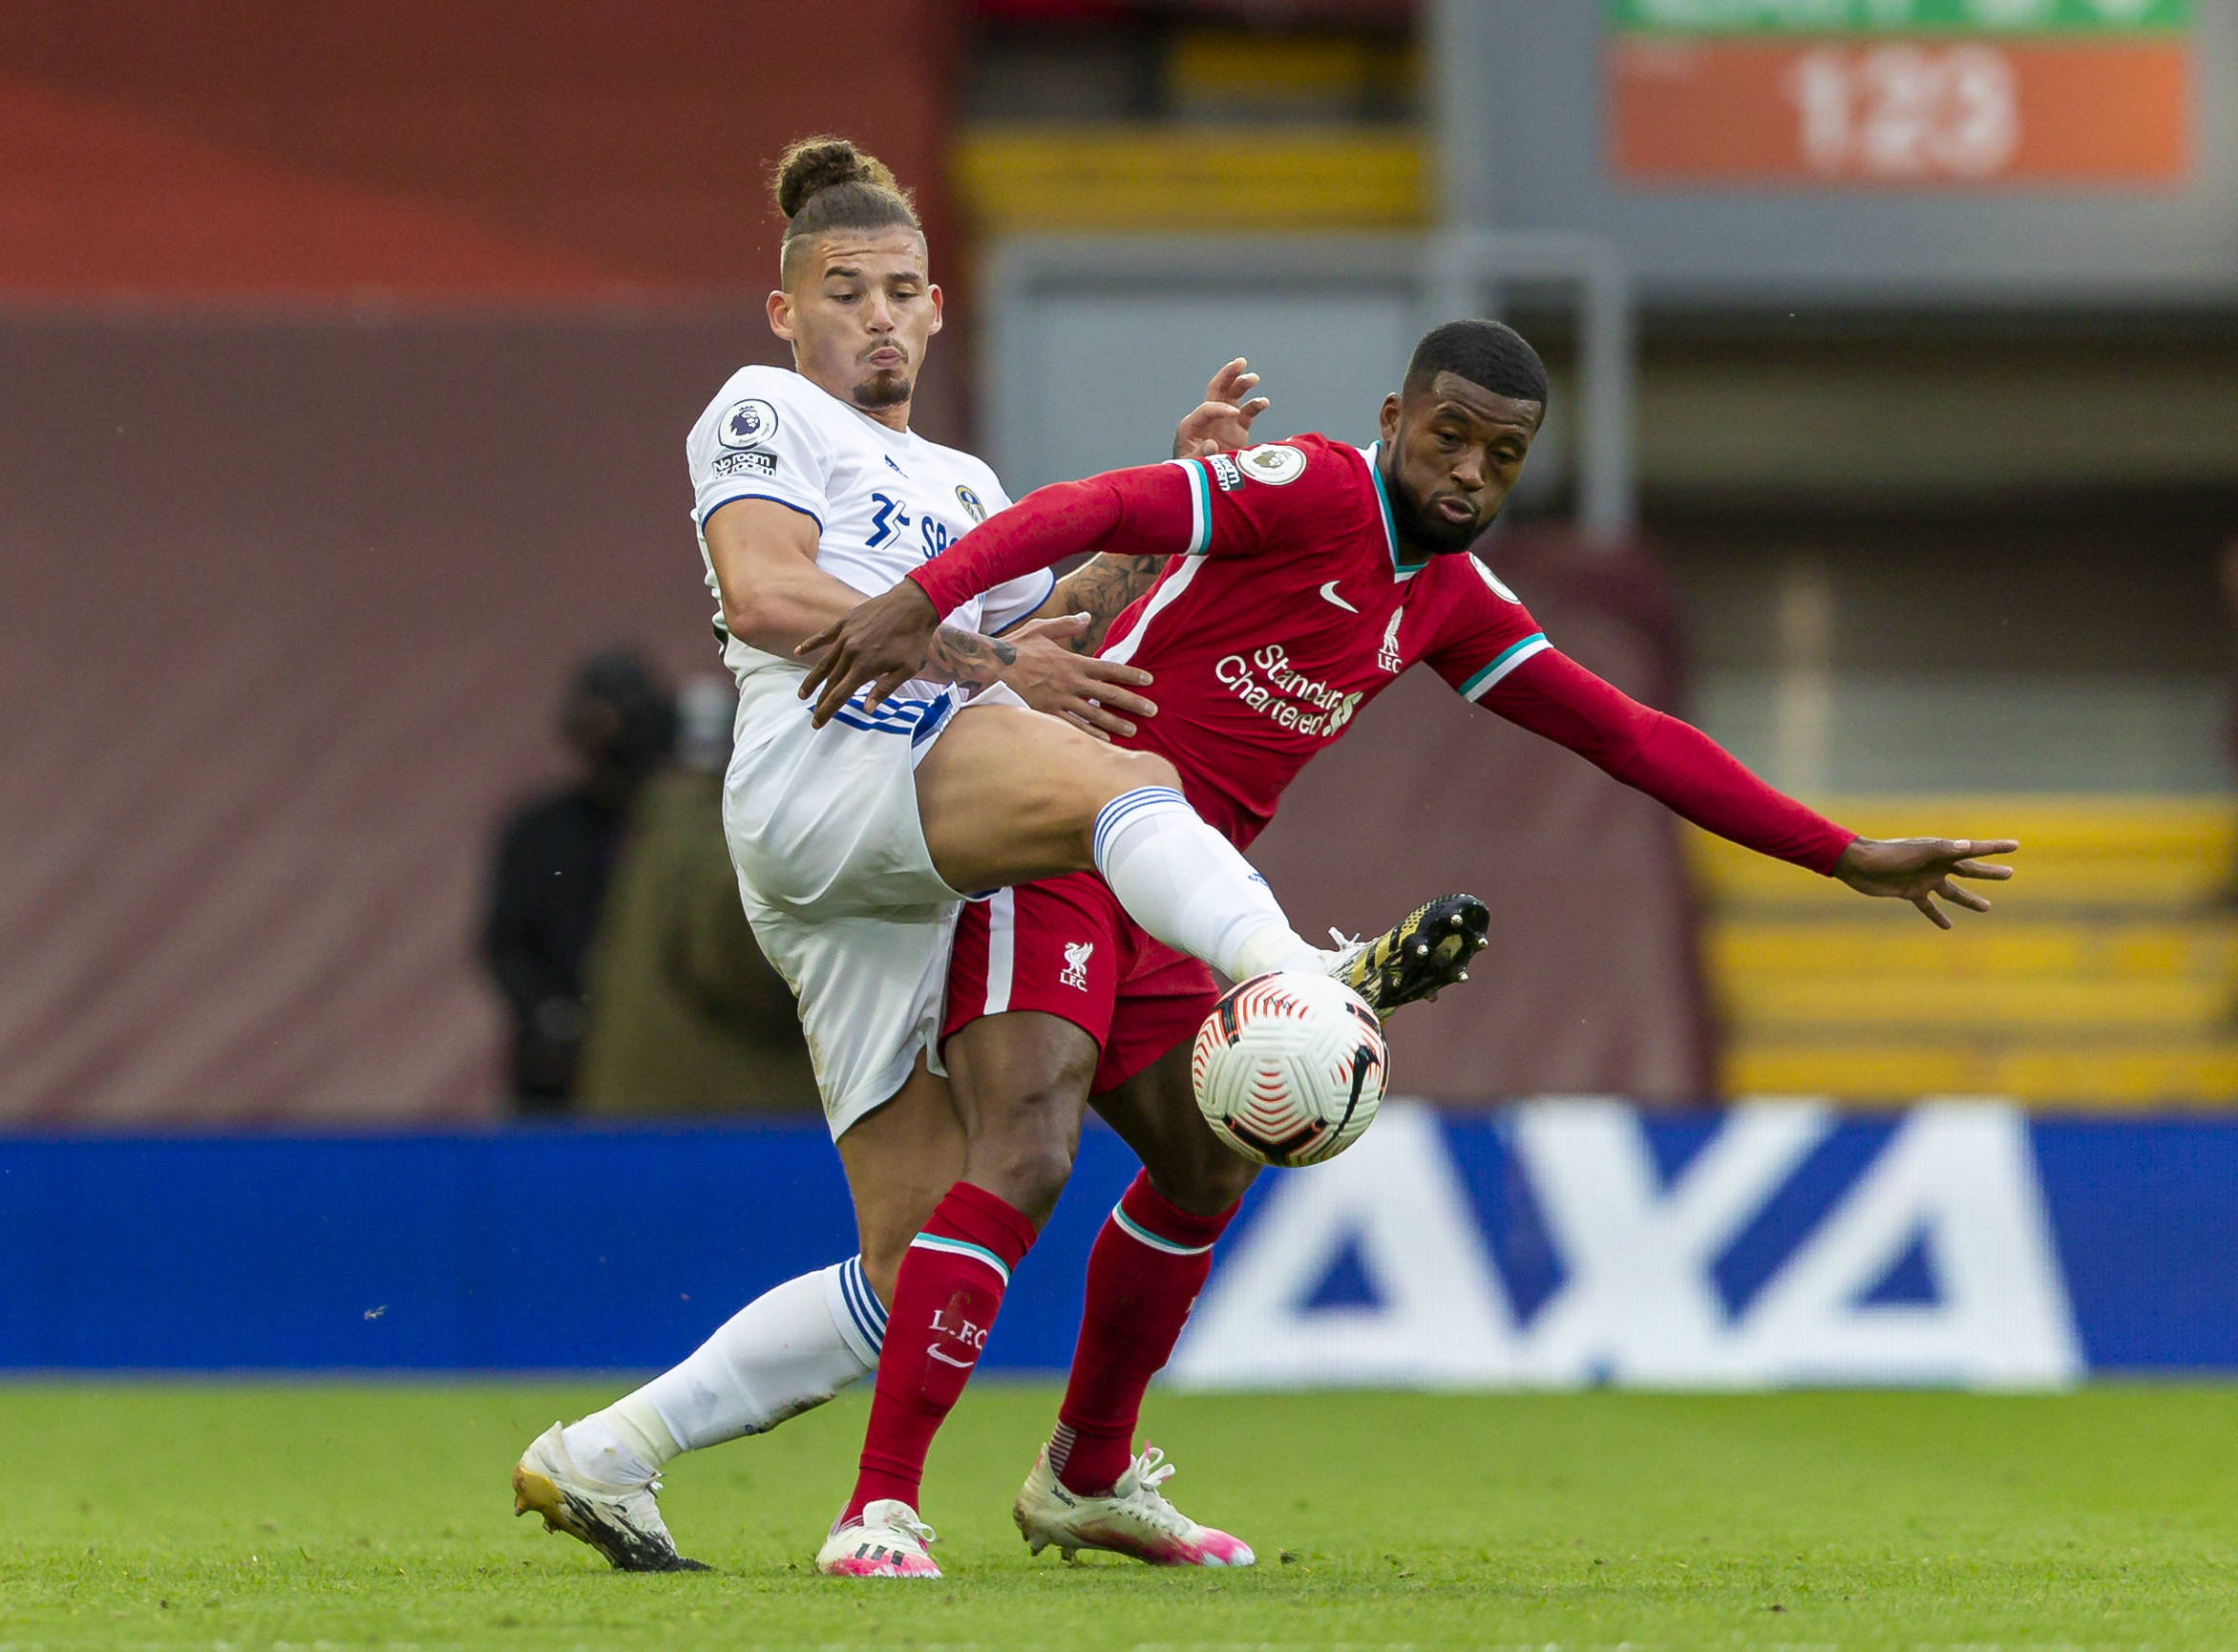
1007	796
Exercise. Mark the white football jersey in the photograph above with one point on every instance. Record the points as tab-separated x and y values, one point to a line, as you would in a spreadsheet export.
883	500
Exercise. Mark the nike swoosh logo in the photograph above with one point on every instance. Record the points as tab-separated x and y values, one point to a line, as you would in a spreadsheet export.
950	1360
1329	591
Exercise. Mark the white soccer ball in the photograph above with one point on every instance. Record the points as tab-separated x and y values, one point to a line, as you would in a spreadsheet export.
1289	1068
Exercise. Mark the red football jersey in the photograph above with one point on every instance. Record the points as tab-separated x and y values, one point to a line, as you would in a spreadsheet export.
1287	611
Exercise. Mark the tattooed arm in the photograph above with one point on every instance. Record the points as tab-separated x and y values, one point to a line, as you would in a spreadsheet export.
1103	588
968	659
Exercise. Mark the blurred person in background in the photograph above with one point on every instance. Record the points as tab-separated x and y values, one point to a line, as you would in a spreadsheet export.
685	1015
554	860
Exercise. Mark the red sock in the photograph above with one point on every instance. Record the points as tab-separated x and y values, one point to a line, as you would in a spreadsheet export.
944	1298
1149	1263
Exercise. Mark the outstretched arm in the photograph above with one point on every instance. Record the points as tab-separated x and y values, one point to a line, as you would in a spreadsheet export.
1685	770
1106	584
1222	422
764	555
1137	512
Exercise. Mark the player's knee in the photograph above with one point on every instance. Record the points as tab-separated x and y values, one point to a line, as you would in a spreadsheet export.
1028	1158
1038	1172
1208	1183
1116	773
1147	768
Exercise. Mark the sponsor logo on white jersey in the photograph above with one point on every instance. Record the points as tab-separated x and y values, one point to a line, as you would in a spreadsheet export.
748	424
1077	953
744	464
1288	698
1275	464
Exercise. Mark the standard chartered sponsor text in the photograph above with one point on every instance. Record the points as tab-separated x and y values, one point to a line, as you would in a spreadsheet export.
1266	683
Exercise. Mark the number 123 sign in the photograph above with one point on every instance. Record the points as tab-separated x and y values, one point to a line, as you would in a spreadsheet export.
1905	94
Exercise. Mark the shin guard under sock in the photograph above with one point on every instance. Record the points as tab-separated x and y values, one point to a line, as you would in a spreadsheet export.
945	1298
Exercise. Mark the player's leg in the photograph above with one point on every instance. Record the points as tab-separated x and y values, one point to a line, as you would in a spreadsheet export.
868	990
1020	1077
1021	1086
1152	1257
788	1351
1007	796
795	1346
1149	1263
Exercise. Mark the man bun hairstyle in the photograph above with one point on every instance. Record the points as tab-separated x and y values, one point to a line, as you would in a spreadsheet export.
825	184
1489	355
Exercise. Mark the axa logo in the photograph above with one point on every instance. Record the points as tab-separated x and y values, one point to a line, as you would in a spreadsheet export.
1572	1242
1077	953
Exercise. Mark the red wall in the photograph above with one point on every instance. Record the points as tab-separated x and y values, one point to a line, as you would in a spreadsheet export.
438	150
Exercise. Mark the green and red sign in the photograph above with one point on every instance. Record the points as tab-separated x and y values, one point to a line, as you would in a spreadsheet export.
1904	94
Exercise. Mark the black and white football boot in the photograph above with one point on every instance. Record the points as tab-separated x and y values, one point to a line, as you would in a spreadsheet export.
1417	957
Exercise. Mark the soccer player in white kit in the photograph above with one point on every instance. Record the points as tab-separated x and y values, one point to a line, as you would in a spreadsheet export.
857	838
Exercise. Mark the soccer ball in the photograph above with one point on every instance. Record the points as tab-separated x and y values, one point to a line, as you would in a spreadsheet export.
1289	1068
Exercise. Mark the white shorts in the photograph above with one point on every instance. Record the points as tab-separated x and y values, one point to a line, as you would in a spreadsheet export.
837	882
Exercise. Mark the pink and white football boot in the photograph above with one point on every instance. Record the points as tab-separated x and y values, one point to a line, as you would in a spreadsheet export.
888	1541
1131	1519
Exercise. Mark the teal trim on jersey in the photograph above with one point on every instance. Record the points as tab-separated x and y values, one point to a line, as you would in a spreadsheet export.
1134	1230
1507	659
955	1247
1399	570
1200	507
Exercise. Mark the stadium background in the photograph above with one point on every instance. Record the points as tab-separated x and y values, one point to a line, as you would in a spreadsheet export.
345	357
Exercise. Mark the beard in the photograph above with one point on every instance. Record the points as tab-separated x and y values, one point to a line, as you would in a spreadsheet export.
887	387
1418	526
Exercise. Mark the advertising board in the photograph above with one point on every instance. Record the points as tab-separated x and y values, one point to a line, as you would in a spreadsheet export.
1553	1245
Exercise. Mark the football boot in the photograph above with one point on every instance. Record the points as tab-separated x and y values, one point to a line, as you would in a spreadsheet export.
888	1540
1131	1519
621	1522
1417	957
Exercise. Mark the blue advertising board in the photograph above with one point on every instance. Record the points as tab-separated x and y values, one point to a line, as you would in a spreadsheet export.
1551	1245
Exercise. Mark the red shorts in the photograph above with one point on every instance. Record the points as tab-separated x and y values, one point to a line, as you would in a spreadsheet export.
1064	946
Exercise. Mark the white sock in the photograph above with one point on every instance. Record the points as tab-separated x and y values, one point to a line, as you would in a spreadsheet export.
786	1352
1187	885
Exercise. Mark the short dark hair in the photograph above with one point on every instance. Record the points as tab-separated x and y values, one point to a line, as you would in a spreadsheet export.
826	183
1488	353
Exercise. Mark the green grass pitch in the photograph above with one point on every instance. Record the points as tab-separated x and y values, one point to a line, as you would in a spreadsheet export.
317	1516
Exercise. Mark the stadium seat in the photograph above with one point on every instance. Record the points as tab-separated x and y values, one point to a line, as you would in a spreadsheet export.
2107	976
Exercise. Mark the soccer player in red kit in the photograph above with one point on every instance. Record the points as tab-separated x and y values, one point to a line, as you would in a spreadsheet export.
1305	575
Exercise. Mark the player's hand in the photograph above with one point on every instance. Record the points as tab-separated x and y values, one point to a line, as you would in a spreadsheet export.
1085	691
1222	422
882	642
1919	869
